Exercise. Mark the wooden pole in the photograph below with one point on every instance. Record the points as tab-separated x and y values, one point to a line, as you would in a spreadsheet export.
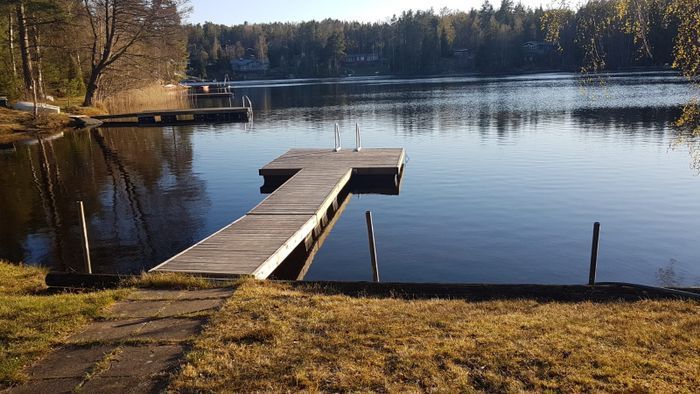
88	263
372	246
594	253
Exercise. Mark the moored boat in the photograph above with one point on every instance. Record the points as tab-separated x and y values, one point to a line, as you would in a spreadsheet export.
42	107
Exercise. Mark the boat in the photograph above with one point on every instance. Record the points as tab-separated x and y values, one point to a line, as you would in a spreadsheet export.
41	107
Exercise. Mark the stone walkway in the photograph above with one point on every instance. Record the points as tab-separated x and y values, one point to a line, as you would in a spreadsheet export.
134	350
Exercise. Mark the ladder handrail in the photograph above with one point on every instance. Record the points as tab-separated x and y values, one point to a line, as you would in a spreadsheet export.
246	102
337	138
358	138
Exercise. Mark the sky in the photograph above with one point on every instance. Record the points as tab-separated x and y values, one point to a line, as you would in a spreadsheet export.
236	12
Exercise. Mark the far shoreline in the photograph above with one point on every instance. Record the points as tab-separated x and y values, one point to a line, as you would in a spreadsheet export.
573	71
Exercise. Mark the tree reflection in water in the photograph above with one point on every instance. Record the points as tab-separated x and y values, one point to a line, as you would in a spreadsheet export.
126	178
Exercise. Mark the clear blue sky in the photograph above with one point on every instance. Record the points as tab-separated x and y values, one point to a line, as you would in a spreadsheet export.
235	12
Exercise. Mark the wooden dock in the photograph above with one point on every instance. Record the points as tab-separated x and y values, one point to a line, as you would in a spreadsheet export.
292	216
212	95
179	116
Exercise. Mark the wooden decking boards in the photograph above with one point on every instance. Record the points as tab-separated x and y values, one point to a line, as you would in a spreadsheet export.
378	161
293	214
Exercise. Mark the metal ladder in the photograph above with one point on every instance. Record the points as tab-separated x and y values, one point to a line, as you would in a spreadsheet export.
358	138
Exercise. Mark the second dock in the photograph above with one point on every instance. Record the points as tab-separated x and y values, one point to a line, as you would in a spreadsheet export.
179	116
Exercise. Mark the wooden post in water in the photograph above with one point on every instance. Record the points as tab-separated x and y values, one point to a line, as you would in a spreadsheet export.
594	253
88	263
372	246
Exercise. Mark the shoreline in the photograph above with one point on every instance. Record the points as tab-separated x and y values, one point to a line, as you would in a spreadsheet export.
187	325
513	73
19	126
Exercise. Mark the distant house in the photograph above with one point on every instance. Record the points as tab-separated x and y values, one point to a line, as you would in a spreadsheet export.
538	53
537	48
360	59
462	53
462	58
249	66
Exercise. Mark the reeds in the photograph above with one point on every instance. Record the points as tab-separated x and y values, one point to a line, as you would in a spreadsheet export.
153	97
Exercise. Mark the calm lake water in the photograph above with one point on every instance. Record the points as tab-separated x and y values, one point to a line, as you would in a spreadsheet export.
504	179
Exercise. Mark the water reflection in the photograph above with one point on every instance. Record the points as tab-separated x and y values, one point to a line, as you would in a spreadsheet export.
126	178
297	265
299	261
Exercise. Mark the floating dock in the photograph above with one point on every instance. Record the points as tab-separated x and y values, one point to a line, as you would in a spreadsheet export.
179	116
293	215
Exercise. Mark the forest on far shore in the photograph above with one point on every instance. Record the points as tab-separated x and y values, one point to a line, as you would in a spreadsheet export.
492	39
97	49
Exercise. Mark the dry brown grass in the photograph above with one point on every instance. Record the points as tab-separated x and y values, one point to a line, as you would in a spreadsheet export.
273	338
19	125
152	97
12	124
73	105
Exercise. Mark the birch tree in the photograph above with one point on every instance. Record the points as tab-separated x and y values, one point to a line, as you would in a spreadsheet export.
126	31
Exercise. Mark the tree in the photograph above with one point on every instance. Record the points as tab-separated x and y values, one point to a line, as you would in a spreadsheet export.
334	51
11	43
127	31
27	66
687	41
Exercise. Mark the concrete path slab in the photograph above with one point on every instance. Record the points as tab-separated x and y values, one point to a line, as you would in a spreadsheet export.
170	329
190	306
70	362
144	360
128	385
135	349
57	386
109	331
138	308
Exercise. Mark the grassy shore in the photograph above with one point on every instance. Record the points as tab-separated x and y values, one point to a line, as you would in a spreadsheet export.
20	125
274	338
32	321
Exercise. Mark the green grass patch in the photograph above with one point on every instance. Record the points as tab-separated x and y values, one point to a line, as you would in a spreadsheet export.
19	280
33	321
271	337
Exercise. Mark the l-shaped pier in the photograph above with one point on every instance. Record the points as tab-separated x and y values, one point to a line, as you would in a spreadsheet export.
295	213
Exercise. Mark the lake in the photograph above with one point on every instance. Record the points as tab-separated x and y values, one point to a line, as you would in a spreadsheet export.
503	181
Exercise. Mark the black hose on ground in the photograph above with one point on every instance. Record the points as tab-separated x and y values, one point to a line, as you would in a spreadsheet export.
680	293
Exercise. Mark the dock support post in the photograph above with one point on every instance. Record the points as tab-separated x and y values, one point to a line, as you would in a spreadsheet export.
372	247
88	263
594	253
